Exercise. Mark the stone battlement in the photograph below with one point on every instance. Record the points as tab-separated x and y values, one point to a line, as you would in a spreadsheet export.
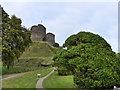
38	33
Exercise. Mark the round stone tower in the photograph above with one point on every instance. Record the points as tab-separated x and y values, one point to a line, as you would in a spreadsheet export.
38	33
50	38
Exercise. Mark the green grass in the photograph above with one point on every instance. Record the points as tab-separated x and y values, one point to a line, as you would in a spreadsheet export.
28	80
55	81
37	49
33	58
19	69
38	53
35	61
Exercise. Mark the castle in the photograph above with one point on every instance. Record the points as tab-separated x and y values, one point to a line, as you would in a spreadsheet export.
38	33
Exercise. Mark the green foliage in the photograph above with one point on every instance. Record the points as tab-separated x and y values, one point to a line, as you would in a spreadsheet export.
15	39
86	37
62	71
118	55
55	50
71	41
95	68
56	45
93	64
33	58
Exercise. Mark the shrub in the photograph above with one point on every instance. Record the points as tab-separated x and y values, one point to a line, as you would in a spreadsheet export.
56	45
93	64
64	71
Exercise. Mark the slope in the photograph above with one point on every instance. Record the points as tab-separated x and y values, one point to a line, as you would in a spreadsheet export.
38	55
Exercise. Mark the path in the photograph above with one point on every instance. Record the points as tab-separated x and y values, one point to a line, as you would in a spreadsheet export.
13	75
39	83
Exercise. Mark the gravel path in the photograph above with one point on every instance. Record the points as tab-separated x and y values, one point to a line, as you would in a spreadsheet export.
12	75
39	83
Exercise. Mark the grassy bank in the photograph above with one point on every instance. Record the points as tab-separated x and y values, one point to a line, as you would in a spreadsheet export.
19	69
55	81
28	80
37	55
37	49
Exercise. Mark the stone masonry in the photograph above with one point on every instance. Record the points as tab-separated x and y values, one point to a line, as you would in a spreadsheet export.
38	33
50	38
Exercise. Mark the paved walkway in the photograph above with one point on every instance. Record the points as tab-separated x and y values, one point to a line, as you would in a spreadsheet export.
40	81
12	75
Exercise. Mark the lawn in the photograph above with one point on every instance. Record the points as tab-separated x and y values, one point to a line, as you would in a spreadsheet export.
28	80
55	81
31	60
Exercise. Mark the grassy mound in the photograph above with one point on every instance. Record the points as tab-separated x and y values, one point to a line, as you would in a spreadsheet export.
37	49
38	54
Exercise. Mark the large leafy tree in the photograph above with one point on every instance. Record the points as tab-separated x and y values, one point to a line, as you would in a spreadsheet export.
90	58
86	37
15	39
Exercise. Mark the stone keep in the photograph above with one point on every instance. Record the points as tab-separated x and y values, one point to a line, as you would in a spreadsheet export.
38	33
50	38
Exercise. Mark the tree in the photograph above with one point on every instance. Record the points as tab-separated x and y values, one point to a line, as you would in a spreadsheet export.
56	45
86	37
15	39
91	61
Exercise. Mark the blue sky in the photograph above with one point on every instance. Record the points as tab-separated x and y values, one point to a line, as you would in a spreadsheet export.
67	18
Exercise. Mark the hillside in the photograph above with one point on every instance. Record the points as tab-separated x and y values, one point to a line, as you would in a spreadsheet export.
38	53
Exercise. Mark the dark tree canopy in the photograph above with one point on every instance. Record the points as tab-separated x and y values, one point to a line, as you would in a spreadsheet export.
86	37
90	58
15	39
56	45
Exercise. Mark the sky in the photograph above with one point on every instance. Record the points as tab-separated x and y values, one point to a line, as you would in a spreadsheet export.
68	18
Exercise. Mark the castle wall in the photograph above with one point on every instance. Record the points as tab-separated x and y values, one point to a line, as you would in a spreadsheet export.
38	33
50	38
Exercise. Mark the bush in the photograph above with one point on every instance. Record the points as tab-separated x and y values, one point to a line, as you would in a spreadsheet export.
64	71
56	45
55	50
94	65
